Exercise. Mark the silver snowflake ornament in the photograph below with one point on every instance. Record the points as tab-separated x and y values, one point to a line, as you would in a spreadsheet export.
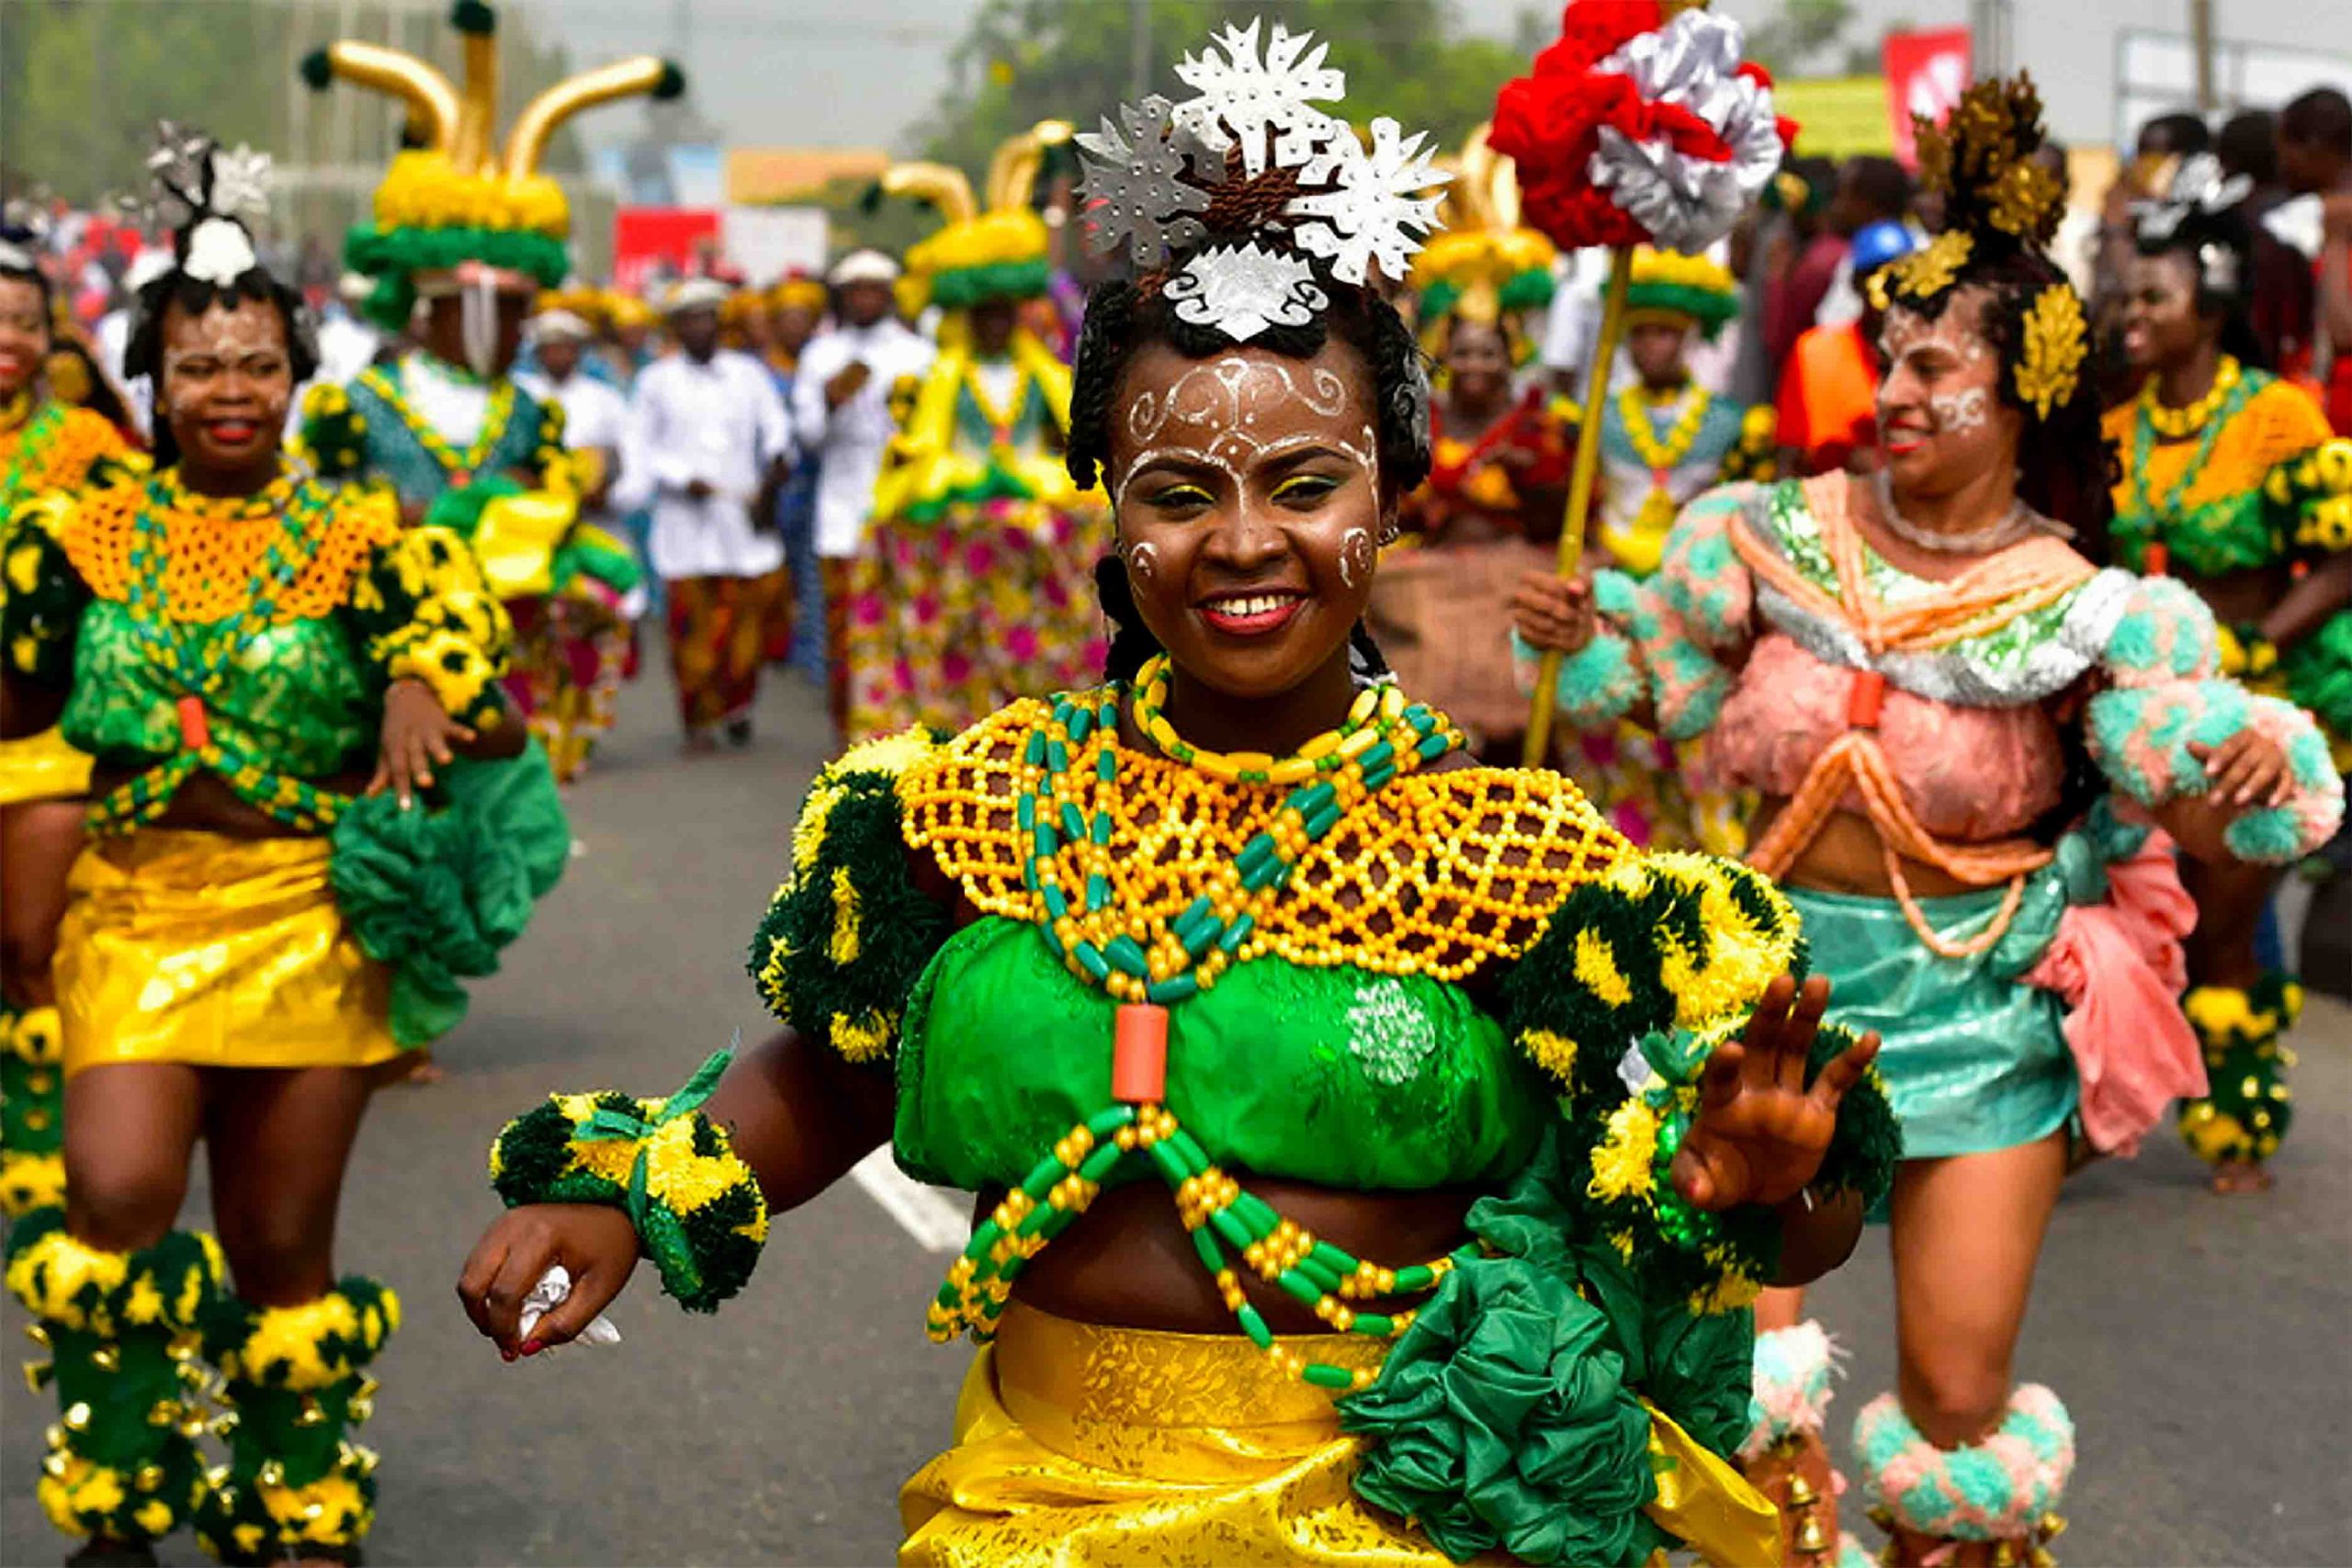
1371	211
1267	104
1240	290
2198	186
240	182
1133	187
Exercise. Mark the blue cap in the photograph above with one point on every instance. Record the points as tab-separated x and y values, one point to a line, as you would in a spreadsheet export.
1875	244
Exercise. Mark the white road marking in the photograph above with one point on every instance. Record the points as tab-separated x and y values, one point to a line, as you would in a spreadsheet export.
935	1223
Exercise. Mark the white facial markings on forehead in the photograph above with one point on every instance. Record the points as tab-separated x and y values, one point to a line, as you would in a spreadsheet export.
226	335
1218	404
1907	332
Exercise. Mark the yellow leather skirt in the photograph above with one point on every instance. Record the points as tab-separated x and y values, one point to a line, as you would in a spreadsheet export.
196	947
1080	1446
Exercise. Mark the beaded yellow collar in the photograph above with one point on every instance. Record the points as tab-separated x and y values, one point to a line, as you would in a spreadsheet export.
1435	875
215	547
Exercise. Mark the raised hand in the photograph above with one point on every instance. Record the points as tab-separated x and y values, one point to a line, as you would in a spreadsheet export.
1553	613
1761	1133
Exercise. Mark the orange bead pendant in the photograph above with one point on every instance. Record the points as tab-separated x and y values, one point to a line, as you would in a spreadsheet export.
1139	1055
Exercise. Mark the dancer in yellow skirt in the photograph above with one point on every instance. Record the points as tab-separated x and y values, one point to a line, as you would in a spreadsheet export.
280	687
1452	1266
46	444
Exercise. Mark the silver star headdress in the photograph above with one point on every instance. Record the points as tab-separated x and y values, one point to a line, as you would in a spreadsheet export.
2198	190
1149	183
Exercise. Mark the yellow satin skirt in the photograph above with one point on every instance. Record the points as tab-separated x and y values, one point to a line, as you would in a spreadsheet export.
41	767
1080	1446
196	947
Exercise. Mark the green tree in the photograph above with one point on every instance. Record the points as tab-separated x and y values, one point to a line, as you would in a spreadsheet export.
1023	60
1806	30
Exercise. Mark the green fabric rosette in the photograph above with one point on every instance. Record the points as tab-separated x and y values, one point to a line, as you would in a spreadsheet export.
1502	1419
436	894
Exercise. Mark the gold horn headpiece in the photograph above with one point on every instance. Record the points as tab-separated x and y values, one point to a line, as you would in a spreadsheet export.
453	196
998	252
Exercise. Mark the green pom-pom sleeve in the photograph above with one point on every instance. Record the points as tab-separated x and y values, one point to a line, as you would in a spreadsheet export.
1639	975
422	611
1601	681
841	948
697	1209
332	433
41	596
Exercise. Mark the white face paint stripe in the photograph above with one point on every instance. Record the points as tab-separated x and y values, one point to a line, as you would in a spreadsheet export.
1356	555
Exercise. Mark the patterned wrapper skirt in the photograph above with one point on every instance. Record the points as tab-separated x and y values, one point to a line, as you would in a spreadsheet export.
196	947
1442	616
948	621
1083	1446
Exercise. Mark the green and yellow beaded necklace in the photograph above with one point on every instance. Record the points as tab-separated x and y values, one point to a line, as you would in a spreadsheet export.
196	656
32	432
1383	739
462	468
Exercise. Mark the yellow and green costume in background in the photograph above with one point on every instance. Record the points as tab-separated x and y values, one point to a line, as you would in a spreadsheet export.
1566	1383
973	584
2249	478
1659	454
513	490
252	639
45	446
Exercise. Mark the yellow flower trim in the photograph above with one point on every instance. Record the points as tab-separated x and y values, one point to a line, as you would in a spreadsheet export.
29	1182
891	755
36	1037
2048	369
1743	955
80	1493
863	1039
285	1345
453	665
843	948
1622	1165
1595	967
424	190
1555	1053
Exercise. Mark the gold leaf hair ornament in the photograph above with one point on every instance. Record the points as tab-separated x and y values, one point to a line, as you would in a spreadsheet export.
1926	272
1981	162
2049	366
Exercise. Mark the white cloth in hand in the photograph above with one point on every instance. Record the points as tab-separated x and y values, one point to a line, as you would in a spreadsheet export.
553	1289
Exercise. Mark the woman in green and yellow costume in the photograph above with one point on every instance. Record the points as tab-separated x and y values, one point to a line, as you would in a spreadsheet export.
464	238
2229	482
272	677
46	444
1378	1152
970	587
1665	440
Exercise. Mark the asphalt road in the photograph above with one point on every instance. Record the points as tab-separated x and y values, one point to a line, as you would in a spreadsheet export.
2204	1344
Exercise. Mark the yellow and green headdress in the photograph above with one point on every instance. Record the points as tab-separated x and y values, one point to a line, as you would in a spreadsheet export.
999	253
1684	290
454	197
1484	267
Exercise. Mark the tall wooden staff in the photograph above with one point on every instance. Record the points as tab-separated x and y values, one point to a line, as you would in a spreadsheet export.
1673	163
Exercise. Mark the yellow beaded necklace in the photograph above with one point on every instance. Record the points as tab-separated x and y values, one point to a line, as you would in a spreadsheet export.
1661	455
2178	424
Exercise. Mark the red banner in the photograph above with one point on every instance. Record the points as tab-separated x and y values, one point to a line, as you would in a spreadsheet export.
678	239
1926	73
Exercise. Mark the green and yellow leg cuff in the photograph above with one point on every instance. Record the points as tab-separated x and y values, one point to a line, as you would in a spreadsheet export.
295	1386
122	1332
32	1112
2248	1105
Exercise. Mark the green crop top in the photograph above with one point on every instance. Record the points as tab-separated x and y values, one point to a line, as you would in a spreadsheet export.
1472	959
254	638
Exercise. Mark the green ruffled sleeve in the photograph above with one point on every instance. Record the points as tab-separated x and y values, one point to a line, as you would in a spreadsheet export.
1641	973
421	611
41	596
850	931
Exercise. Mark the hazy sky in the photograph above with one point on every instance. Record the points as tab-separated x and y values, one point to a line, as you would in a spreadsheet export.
857	73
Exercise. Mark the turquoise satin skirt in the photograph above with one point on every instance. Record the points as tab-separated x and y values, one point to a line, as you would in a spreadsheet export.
1974	1060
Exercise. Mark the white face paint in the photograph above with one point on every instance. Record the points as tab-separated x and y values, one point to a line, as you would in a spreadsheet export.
1357	553
247	338
1210	416
1143	561
1958	412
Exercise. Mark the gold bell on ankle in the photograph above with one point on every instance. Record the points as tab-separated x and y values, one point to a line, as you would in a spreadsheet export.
311	1414
38	1335
164	1411
78	1416
38	1374
1801	1492
107	1358
1810	1537
150	1478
